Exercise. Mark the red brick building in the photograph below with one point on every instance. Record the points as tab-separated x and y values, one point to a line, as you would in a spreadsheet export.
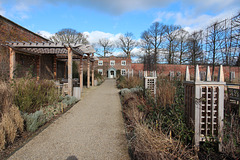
108	66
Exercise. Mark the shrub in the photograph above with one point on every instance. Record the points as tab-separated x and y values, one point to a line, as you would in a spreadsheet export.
53	110
69	100
16	118
9	128
2	137
30	95
131	82
34	120
165	92
231	141
147	142
6	96
11	122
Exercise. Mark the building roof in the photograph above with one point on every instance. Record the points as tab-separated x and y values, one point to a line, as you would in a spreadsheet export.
60	49
1	17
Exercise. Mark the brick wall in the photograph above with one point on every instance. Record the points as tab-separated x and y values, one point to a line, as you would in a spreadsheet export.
165	69
11	31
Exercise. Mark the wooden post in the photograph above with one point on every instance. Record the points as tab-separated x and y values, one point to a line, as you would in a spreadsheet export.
81	73
204	102
220	107
38	67
65	70
93	73
88	71
55	67
69	71
12	62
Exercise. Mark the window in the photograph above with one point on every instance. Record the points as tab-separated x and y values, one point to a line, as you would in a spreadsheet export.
100	63
123	72
232	76
112	62
123	63
100	71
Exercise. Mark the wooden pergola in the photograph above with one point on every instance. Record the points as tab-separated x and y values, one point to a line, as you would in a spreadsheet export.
61	51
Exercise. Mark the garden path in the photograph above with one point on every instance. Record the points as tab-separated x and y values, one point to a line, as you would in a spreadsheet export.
91	129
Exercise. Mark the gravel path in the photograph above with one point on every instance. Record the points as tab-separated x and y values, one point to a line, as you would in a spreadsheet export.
92	129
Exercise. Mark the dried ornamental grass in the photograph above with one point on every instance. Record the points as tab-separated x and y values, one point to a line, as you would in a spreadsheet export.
9	128
165	92
151	144
2	137
16	117
6	96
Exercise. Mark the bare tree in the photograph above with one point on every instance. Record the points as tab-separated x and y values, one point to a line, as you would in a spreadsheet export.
194	44
68	35
147	58
172	43
127	43
182	44
154	37
214	43
235	37
107	45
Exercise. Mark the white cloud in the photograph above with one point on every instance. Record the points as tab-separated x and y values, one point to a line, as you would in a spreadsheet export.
212	5
45	34
123	6
191	22
94	36
2	11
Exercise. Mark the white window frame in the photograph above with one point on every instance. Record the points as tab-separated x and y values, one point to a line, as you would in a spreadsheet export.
123	63
112	62
100	63
124	71
100	70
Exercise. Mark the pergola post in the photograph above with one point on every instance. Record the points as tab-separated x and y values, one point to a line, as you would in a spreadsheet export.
55	67
81	73
88	71
93	71
38	67
69	71
65	70
12	62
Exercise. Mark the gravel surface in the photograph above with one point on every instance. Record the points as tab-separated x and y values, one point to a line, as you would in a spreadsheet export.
92	129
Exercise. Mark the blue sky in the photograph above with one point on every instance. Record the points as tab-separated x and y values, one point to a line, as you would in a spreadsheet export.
110	18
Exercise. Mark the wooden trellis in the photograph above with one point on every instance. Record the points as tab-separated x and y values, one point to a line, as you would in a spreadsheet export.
204	102
150	81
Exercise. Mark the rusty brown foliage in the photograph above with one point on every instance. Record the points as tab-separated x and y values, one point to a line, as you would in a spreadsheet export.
144	141
11	122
